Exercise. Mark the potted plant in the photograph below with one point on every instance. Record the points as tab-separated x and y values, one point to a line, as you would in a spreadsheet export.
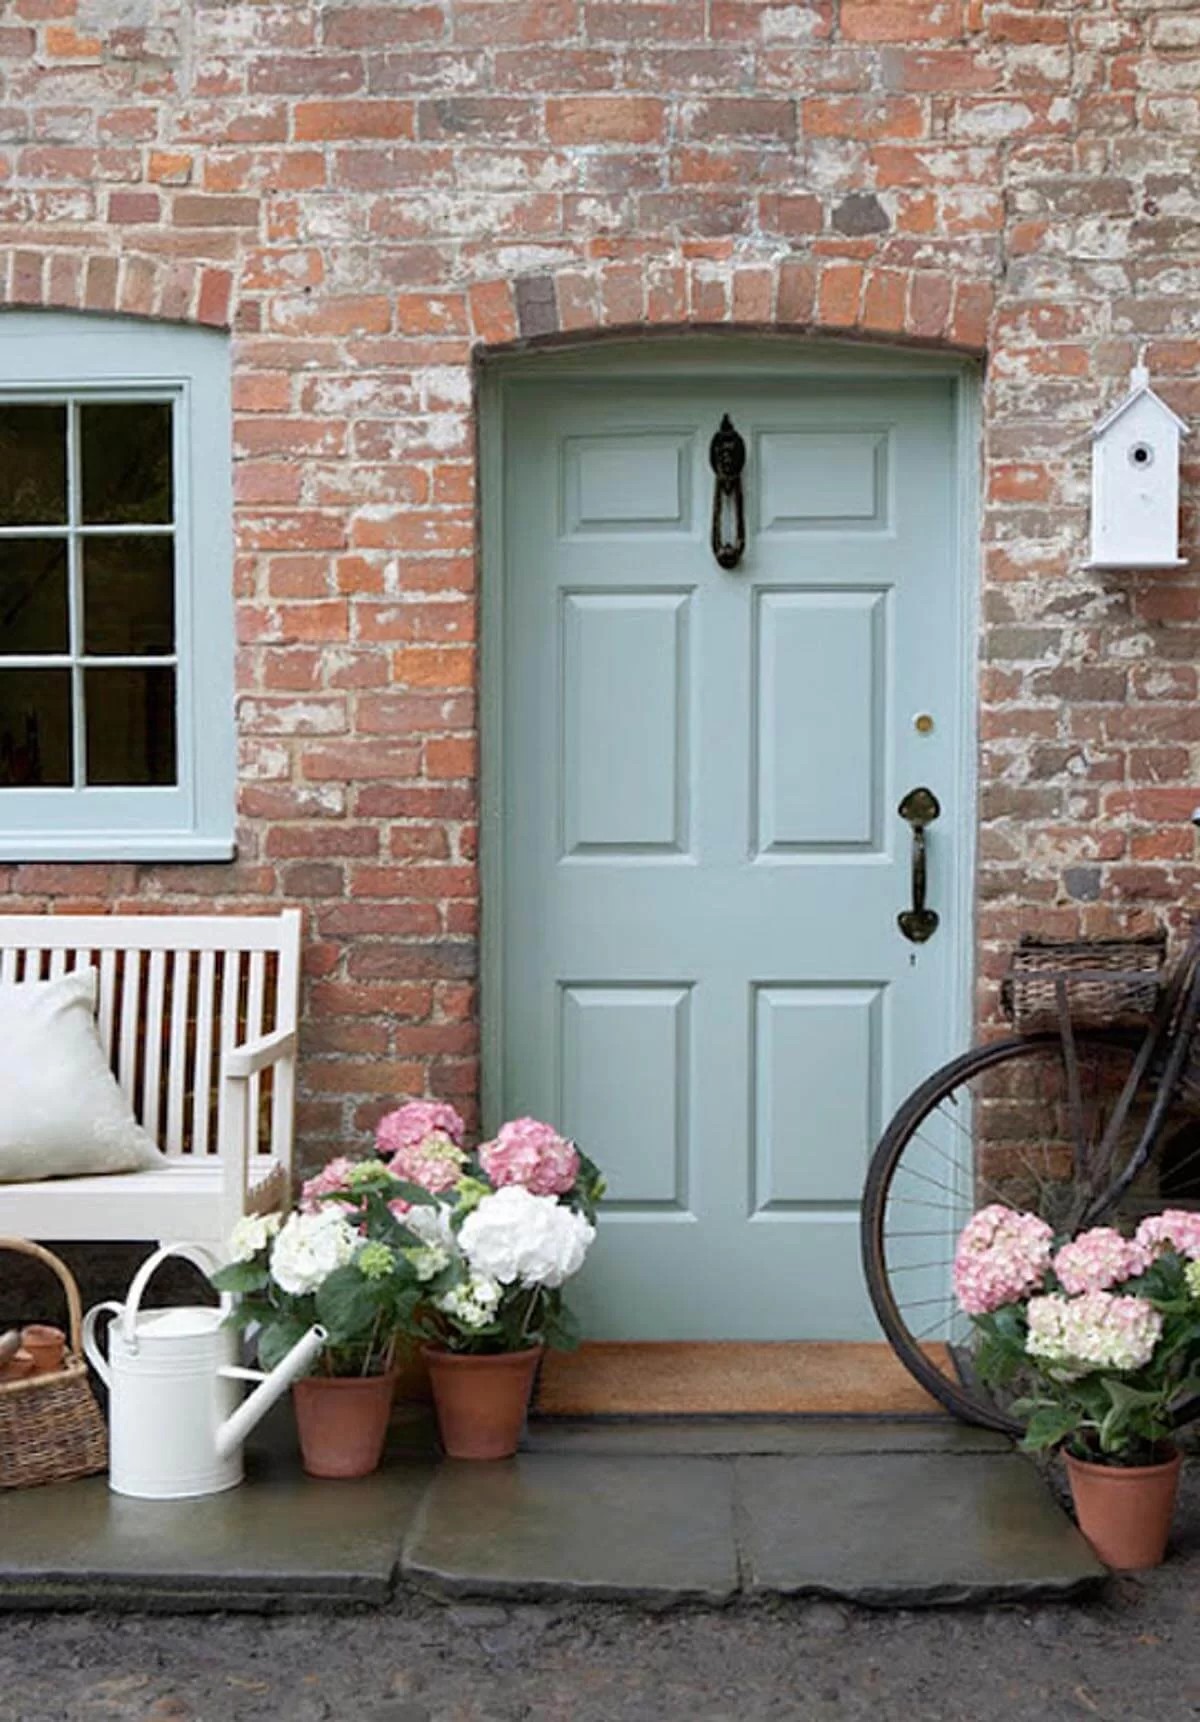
1100	1335
506	1227
338	1260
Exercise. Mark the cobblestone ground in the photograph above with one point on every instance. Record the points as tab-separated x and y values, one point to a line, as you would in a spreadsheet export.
1130	1656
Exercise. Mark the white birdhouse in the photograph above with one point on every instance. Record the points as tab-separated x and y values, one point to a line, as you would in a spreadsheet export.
1135	482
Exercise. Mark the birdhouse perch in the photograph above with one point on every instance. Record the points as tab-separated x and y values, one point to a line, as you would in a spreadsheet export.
1135	481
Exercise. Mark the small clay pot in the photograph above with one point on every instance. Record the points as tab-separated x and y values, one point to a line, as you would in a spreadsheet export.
481	1400
1125	1511
19	1365
47	1346
342	1421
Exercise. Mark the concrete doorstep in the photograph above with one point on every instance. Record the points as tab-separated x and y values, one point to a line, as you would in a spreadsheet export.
652	1513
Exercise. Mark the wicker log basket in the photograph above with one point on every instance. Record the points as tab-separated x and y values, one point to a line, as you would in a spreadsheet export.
1106	983
51	1428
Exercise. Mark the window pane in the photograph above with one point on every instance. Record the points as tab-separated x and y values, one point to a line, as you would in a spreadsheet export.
125	463
35	728
33	595
33	465
129	595
130	726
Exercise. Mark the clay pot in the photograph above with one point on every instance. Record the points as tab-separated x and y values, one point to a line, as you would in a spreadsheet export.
481	1401
1125	1511
19	1365
47	1346
342	1421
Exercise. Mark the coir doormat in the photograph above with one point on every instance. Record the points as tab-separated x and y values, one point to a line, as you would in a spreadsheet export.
617	1378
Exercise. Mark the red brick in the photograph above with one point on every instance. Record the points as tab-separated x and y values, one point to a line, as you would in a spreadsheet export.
353	119
605	119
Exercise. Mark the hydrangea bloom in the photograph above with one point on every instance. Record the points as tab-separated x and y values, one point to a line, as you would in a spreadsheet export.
252	1233
517	1236
329	1181
435	1163
533	1154
1173	1229
410	1124
1096	1331
1001	1255
1099	1259
309	1248
375	1260
436	1249
1191	1275
473	1303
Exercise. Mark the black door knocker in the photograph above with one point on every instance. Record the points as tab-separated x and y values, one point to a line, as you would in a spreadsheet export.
727	457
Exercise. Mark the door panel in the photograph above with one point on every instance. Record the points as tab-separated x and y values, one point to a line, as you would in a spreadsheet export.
701	863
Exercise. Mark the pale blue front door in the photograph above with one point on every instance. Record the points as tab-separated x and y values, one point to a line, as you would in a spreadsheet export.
699	862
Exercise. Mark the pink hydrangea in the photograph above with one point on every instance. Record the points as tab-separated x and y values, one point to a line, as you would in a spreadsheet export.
435	1163
410	1124
329	1181
1001	1255
531	1154
1173	1229
1099	1259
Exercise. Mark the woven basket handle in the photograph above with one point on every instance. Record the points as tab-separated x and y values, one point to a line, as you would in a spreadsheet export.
23	1247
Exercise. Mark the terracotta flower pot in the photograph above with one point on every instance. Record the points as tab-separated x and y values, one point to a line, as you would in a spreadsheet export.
481	1401
342	1421
1125	1511
47	1347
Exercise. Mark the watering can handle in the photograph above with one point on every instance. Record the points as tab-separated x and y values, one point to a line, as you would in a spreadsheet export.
91	1345
197	1254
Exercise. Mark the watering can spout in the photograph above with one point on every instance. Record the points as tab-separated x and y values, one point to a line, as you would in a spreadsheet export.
270	1387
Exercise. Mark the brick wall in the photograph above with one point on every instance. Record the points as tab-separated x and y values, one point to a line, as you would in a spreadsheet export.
368	193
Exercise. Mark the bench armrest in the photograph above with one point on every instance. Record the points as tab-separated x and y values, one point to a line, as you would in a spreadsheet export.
255	1055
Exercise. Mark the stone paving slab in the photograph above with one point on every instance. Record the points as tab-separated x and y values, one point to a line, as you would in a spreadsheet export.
653	1531
810	1436
280	1540
649	1513
907	1530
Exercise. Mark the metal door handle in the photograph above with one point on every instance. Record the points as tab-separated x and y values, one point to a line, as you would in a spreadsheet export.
920	808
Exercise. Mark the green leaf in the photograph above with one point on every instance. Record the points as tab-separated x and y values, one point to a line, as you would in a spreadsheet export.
278	1337
1048	1427
241	1277
348	1304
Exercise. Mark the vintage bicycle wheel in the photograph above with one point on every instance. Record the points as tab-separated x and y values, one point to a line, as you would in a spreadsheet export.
999	1124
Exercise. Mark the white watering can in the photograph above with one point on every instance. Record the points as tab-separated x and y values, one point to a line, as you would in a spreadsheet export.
177	1418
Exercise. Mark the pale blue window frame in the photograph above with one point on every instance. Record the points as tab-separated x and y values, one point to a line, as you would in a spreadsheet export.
55	356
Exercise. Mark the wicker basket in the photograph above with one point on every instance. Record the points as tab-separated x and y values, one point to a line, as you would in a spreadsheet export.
1109	983
51	1428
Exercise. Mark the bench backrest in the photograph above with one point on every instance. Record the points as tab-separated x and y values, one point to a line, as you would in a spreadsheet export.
175	992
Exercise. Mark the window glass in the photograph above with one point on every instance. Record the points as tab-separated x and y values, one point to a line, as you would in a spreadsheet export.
130	726
33	462
125	463
129	595
34	612
35	729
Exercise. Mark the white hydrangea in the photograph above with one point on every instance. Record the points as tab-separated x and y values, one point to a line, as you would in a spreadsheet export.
428	1261
1072	1335
309	1248
251	1235
517	1236
431	1225
474	1302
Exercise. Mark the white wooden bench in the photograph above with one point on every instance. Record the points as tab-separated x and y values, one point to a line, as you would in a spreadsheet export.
198	1017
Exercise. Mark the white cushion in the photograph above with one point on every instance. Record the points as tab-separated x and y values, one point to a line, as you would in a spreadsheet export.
62	1112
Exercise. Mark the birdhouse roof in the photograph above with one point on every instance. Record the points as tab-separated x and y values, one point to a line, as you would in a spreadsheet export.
1141	390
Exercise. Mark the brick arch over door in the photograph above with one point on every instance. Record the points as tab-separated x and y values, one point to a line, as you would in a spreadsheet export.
829	296
133	284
